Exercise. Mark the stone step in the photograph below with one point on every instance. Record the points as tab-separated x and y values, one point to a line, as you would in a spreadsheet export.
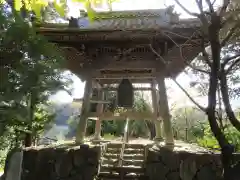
123	169
118	145
125	156
128	162
117	176
126	151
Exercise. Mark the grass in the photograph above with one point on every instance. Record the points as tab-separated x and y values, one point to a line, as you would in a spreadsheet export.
109	137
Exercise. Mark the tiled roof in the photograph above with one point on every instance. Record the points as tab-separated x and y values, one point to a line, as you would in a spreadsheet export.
148	19
131	13
139	23
131	20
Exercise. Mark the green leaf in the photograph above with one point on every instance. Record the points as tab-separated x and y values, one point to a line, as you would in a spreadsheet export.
59	8
37	6
91	13
2	2
17	4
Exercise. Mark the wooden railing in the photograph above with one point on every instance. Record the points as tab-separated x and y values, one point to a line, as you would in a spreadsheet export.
125	141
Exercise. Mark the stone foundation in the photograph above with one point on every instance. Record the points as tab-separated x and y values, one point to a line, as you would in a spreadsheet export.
169	164
183	162
75	163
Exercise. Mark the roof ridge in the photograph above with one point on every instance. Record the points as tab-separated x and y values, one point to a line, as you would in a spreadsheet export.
131	13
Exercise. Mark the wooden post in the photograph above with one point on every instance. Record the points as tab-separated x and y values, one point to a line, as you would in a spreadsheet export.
82	125
157	122
164	111
97	135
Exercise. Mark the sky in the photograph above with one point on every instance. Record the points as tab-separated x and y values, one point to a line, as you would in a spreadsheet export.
177	96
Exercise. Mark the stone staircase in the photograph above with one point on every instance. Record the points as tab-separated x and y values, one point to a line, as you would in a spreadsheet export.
132	165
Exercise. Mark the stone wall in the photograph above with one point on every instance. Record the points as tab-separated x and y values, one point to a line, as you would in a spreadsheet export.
166	164
61	163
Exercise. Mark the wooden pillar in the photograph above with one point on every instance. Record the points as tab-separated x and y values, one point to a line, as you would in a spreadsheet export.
164	111
156	122
82	125
97	135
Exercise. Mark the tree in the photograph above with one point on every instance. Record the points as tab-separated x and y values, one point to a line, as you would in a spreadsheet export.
16	129
142	127
188	123
31	70
209	141
37	8
214	22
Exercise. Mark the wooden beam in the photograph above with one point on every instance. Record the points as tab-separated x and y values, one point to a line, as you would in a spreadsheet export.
100	101
117	81
60	35
164	111
135	89
96	84
123	115
82	125
125	77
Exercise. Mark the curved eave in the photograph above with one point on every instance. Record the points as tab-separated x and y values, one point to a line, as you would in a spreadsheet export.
65	36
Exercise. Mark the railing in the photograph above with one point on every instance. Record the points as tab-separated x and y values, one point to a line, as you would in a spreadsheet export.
125	140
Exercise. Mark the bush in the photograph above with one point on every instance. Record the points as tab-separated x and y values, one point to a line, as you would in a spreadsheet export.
210	142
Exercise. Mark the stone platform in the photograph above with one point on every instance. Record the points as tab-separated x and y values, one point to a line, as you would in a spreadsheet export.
185	162
71	162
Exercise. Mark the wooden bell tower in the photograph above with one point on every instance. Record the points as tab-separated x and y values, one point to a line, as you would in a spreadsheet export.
144	50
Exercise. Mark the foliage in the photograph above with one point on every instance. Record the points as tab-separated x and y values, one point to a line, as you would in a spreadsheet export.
199	79
37	7
109	136
188	123
14	133
220	27
31	70
209	141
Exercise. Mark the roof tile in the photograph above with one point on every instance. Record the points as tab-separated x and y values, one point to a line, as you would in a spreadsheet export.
127	20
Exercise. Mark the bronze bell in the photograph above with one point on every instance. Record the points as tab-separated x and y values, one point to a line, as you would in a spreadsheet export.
93	106
125	94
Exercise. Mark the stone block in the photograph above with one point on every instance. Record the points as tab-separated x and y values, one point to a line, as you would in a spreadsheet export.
65	163
170	164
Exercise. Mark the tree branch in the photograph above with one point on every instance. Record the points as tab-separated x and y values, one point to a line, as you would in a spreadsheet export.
228	59
229	34
189	39
213	2
200	5
202	16
204	53
186	93
210	6
186	10
224	7
189	64
224	90
197	69
189	96
232	65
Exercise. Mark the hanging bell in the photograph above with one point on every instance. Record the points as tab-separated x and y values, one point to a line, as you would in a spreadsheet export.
93	106
125	94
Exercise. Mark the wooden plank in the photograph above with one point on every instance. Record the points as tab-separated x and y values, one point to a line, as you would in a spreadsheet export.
100	101
82	124
116	63
81	35
117	81
123	115
135	89
125	77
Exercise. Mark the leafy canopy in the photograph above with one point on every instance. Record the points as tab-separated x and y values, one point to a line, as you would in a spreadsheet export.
37	6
